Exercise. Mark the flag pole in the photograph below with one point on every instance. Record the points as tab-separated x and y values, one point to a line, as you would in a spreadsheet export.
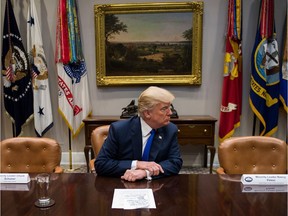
70	150
254	125
13	129
286	132
70	153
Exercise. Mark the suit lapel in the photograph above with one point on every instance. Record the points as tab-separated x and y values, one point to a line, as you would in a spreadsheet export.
156	145
136	136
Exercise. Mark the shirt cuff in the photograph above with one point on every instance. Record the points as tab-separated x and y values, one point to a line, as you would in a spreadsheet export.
148	175
134	165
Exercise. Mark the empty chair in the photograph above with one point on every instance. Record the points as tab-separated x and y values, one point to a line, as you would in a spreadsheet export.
252	155
98	137
30	155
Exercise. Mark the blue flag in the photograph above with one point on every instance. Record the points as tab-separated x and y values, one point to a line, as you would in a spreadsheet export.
18	94
265	76
284	71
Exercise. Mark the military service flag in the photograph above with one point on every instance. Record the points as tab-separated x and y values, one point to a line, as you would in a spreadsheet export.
43	119
18	94
231	105
73	95
284	71
264	92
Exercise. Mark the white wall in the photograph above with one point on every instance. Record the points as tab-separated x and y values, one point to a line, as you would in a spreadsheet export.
190	100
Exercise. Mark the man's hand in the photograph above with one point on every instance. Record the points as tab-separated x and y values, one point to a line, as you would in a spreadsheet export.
152	167
133	175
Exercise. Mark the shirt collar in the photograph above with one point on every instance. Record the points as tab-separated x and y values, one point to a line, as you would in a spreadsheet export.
145	128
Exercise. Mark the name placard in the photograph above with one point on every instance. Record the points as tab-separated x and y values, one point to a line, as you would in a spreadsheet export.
14	178
14	187
264	179
265	188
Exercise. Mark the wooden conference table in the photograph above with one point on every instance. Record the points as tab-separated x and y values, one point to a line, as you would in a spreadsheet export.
206	194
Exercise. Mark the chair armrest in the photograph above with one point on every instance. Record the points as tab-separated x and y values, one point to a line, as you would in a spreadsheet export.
58	169
220	171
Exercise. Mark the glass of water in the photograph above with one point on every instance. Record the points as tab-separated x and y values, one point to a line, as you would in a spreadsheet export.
42	186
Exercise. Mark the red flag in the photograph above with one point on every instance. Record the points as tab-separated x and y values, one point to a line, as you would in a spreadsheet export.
62	36
232	83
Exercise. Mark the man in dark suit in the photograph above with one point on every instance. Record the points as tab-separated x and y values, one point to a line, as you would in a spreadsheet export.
123	152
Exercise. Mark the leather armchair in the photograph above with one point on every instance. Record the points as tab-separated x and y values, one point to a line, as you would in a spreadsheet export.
252	155
98	137
30	155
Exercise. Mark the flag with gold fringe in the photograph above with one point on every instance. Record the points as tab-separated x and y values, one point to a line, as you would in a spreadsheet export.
231	104
43	118
284	71
265	75
73	91
18	94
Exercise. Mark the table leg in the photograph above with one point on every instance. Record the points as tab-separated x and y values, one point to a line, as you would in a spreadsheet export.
212	155
205	156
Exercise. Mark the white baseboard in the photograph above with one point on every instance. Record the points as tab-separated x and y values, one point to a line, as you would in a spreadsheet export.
78	158
197	160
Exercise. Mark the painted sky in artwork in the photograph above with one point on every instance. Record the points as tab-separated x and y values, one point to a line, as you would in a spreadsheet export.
153	27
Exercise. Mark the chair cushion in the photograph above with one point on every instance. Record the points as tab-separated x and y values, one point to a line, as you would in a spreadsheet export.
30	155
98	136
253	154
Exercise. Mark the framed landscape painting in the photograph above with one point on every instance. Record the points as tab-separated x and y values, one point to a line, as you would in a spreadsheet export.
153	43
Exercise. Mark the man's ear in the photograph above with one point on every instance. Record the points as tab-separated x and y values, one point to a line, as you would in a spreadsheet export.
147	114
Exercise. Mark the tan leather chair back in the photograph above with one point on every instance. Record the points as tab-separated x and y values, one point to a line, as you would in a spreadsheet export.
252	155
30	155
98	137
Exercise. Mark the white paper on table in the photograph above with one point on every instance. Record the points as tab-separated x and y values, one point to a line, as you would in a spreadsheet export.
133	198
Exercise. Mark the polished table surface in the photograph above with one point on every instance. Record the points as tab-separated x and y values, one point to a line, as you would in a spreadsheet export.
194	194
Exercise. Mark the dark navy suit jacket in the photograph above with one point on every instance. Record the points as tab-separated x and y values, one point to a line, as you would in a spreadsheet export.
124	144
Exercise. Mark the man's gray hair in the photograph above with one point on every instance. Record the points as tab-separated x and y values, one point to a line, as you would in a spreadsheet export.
152	96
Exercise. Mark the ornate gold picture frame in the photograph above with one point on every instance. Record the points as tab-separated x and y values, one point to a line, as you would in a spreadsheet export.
153	43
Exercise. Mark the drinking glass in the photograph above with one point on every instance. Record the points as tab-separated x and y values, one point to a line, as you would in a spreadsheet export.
42	186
